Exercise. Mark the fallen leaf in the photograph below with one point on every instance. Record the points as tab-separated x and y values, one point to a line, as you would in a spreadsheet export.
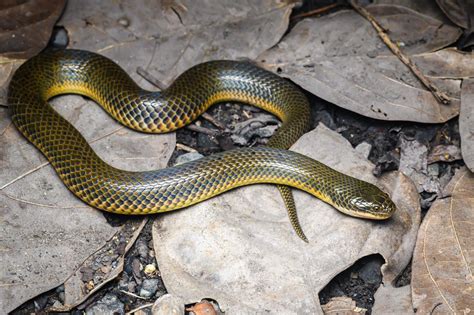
202	308
342	306
26	26
442	278
456	11
414	164
240	244
165	41
466	125
392	300
340	58
41	244
76	289
34	196
426	7
444	153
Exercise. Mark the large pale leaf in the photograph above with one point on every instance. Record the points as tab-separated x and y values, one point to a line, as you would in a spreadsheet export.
175	35
442	278
239	248
466	123
35	197
341	59
392	300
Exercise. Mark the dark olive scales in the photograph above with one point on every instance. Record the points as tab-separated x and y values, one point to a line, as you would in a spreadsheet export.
107	188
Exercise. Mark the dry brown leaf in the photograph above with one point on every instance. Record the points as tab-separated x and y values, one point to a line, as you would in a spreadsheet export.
202	308
26	26
240	244
456	11
443	262
342	305
426	7
340	58
466	123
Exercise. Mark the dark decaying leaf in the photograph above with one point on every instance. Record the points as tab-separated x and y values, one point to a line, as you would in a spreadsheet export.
25	26
456	11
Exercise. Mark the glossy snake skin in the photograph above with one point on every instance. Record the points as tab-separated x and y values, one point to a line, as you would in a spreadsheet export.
114	190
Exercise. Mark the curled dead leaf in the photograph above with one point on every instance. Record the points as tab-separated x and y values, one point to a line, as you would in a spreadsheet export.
442	270
202	308
342	305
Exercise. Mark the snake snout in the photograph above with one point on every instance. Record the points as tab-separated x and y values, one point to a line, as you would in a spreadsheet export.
373	203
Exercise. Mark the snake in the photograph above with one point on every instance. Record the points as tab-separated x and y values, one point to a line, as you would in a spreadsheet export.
63	71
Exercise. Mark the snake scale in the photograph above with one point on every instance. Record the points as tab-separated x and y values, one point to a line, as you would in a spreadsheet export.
55	72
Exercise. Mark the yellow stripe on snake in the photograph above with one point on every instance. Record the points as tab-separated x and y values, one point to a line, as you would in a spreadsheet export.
107	188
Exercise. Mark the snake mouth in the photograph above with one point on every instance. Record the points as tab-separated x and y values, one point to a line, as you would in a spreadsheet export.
374	204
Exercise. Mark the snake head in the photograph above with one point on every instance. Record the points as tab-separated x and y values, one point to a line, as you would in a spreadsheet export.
369	202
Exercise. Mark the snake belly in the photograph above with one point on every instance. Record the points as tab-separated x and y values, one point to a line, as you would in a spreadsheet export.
107	188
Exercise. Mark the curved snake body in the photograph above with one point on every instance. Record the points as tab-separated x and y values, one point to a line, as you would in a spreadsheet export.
107	188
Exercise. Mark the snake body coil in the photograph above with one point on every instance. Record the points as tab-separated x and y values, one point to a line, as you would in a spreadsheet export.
110	189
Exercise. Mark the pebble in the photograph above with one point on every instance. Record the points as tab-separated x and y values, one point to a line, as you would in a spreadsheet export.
60	38
187	157
370	272
149	287
149	269
168	304
109	304
125	22
142	249
57	305
364	148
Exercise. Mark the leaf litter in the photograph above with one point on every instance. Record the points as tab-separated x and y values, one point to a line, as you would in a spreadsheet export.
117	32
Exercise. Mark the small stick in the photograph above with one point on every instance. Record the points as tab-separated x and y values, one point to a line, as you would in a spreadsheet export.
4	105
133	295
203	130
437	93
150	78
316	11
184	147
212	120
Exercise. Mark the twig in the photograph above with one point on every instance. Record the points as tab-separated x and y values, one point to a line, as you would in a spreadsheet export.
139	308
437	93
4	105
203	130
150	78
316	11
184	147
213	121
133	295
